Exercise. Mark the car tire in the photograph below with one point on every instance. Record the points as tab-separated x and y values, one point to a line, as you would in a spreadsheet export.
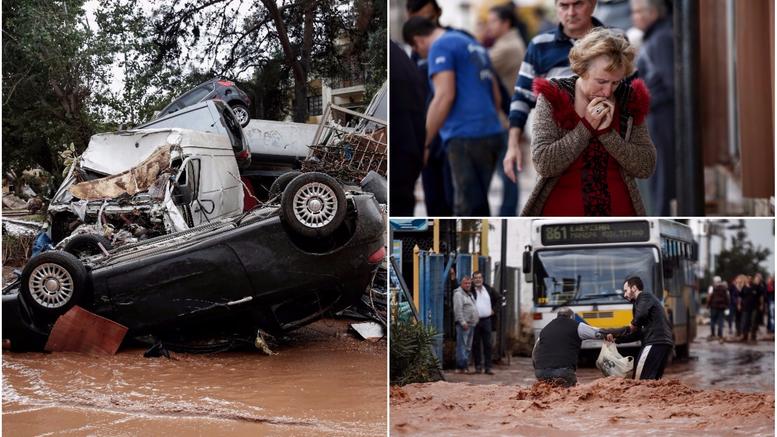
52	282
313	205
87	245
280	183
241	113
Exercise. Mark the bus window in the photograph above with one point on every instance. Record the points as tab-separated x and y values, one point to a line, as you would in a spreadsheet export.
591	276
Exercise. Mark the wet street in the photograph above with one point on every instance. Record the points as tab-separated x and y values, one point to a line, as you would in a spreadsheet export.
723	389
322	382
731	365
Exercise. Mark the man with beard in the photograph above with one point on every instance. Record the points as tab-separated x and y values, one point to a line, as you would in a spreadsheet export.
650	325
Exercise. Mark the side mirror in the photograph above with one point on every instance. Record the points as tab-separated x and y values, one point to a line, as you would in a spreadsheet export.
182	195
526	263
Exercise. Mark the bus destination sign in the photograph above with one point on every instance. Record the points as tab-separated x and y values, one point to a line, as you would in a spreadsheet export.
593	233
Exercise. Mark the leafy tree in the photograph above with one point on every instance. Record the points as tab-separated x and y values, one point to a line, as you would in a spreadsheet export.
742	258
57	67
297	38
53	67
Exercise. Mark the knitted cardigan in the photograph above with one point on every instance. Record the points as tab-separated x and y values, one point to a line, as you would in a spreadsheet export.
560	136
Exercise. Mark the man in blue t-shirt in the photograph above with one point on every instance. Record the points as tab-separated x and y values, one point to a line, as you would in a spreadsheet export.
464	110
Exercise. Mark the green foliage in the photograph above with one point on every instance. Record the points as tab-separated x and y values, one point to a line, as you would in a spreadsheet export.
58	65
742	258
53	66
374	57
269	89
411	357
164	48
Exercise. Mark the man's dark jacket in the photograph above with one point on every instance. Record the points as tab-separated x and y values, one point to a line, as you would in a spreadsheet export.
650	319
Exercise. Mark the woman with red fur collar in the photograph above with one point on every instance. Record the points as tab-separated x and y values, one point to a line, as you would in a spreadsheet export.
590	138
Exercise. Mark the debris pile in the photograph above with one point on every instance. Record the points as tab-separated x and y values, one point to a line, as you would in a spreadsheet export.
348	145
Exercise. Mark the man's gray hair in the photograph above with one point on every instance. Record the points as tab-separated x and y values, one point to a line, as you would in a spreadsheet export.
565	312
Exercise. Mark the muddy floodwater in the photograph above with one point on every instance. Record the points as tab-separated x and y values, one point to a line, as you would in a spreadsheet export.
724	389
322	382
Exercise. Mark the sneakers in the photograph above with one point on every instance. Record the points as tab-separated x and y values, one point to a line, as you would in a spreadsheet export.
489	372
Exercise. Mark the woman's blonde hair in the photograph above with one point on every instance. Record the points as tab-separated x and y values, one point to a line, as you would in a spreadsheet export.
602	42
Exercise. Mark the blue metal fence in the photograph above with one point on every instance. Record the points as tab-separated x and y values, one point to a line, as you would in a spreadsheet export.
432	295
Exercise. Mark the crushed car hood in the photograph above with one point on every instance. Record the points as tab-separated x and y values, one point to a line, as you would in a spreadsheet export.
132	181
116	152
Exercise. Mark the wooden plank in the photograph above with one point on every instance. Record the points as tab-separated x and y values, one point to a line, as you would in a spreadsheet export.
79	330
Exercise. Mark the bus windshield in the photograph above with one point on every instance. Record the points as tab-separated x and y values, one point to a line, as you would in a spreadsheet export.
591	275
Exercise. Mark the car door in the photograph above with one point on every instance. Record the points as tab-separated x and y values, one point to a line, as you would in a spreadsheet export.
186	192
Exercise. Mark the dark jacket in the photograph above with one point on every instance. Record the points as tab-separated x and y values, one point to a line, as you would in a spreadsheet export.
719	297
559	343
733	293
656	66
751	297
650	319
407	129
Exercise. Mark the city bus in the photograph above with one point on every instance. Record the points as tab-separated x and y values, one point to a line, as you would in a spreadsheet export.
582	264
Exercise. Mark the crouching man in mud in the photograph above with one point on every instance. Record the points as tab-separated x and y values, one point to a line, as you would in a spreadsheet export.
650	325
557	347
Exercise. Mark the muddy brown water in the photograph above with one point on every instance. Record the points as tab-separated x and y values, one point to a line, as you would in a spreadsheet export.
323	382
724	389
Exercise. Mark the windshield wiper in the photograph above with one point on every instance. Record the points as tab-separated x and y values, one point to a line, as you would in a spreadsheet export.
575	298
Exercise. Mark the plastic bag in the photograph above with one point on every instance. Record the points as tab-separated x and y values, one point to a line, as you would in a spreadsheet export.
612	363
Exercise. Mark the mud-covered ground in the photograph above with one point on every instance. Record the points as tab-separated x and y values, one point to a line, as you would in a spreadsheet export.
724	389
322	382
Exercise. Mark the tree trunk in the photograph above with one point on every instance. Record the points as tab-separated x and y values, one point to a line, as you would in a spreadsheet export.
298	67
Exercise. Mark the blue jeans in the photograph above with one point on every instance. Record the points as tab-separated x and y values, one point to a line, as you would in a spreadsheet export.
510	193
463	345
770	316
716	321
472	162
564	376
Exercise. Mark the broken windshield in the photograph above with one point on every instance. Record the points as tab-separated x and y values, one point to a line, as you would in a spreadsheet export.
591	276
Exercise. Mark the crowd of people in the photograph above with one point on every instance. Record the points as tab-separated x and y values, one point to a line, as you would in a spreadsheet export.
603	112
745	303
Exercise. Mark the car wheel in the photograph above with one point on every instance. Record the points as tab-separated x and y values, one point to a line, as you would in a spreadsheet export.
241	113
87	245
53	281
279	184
313	205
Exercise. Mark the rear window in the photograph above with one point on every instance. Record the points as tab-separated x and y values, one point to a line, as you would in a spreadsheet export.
196	95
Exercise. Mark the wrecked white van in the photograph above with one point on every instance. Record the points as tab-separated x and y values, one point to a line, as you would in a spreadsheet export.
138	184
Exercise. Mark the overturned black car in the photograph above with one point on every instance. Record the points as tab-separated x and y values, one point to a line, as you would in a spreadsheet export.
313	248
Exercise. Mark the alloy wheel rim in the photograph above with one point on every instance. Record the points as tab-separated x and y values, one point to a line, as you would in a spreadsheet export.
315	205
241	115
51	285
